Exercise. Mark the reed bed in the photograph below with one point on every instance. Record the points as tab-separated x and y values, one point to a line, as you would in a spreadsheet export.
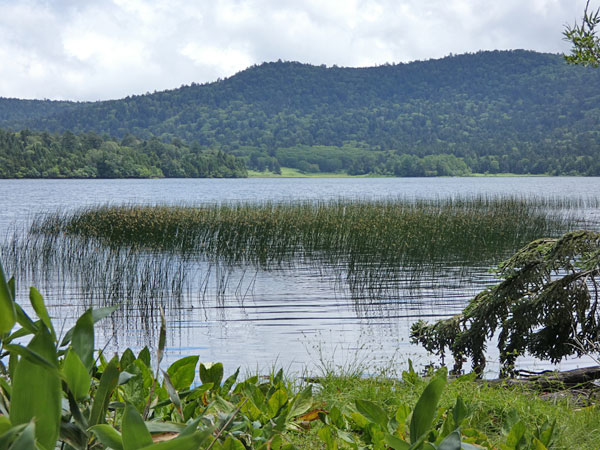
358	232
374	247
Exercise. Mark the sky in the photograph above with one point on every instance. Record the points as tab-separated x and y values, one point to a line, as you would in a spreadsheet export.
106	49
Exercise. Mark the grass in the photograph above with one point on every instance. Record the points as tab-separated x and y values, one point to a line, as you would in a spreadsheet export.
578	426
376	248
391	231
288	172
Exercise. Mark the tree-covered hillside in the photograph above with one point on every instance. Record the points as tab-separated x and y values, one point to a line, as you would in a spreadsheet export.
501	111
26	154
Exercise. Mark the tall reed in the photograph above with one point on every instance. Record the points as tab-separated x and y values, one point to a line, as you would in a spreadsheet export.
374	246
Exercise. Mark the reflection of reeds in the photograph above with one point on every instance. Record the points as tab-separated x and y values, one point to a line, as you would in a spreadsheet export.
145	252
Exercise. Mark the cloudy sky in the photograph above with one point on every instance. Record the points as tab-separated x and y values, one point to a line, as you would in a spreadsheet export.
102	49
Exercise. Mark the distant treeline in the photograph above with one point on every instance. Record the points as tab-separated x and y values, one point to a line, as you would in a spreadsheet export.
357	160
26	154
503	111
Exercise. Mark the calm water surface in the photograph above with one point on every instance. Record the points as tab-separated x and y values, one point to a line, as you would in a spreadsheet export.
288	318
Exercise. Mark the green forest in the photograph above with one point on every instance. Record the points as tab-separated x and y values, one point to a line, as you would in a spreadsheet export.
26	154
492	112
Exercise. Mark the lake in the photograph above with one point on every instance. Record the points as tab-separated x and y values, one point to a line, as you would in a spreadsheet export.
293	318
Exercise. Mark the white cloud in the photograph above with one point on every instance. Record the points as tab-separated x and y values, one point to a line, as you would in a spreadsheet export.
108	49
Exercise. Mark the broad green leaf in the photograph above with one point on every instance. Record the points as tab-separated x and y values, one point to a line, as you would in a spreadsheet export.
278	378
546	433
232	444
191	427
251	410
144	356
538	445
83	339
77	376
360	420
26	440
191	442
277	400
133	430
426	407
516	436
37	301
211	373
182	372
25	321
12	288
108	383
127	358
401	415
108	436
31	355
372	412
229	382
7	437
510	420
21	332
8	313
460	411
37	391
5	424
79	419
166	427
97	315
173	395
396	443
302	402
452	442
74	434
327	435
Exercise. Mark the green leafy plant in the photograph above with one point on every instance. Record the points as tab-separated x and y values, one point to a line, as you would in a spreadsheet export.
55	391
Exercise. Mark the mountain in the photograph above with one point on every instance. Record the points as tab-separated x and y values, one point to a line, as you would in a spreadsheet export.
501	111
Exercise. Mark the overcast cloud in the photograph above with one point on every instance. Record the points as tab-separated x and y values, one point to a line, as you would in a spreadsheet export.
101	49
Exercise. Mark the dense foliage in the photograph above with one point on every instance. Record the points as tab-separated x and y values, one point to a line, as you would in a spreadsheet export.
26	154
546	305
501	111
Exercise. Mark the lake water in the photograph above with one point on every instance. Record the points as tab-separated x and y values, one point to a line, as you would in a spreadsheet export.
282	318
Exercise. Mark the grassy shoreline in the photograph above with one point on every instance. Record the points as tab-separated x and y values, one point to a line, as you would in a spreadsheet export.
288	172
493	407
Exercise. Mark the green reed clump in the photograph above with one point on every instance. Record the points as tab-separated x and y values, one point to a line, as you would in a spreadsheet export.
369	234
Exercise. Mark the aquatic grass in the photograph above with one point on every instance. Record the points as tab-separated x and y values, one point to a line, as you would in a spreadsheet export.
357	232
376	249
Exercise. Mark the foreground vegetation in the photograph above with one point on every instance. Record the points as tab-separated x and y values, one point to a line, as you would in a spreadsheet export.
55	392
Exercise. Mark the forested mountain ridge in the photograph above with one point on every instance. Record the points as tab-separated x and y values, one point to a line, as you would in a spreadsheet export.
501	111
